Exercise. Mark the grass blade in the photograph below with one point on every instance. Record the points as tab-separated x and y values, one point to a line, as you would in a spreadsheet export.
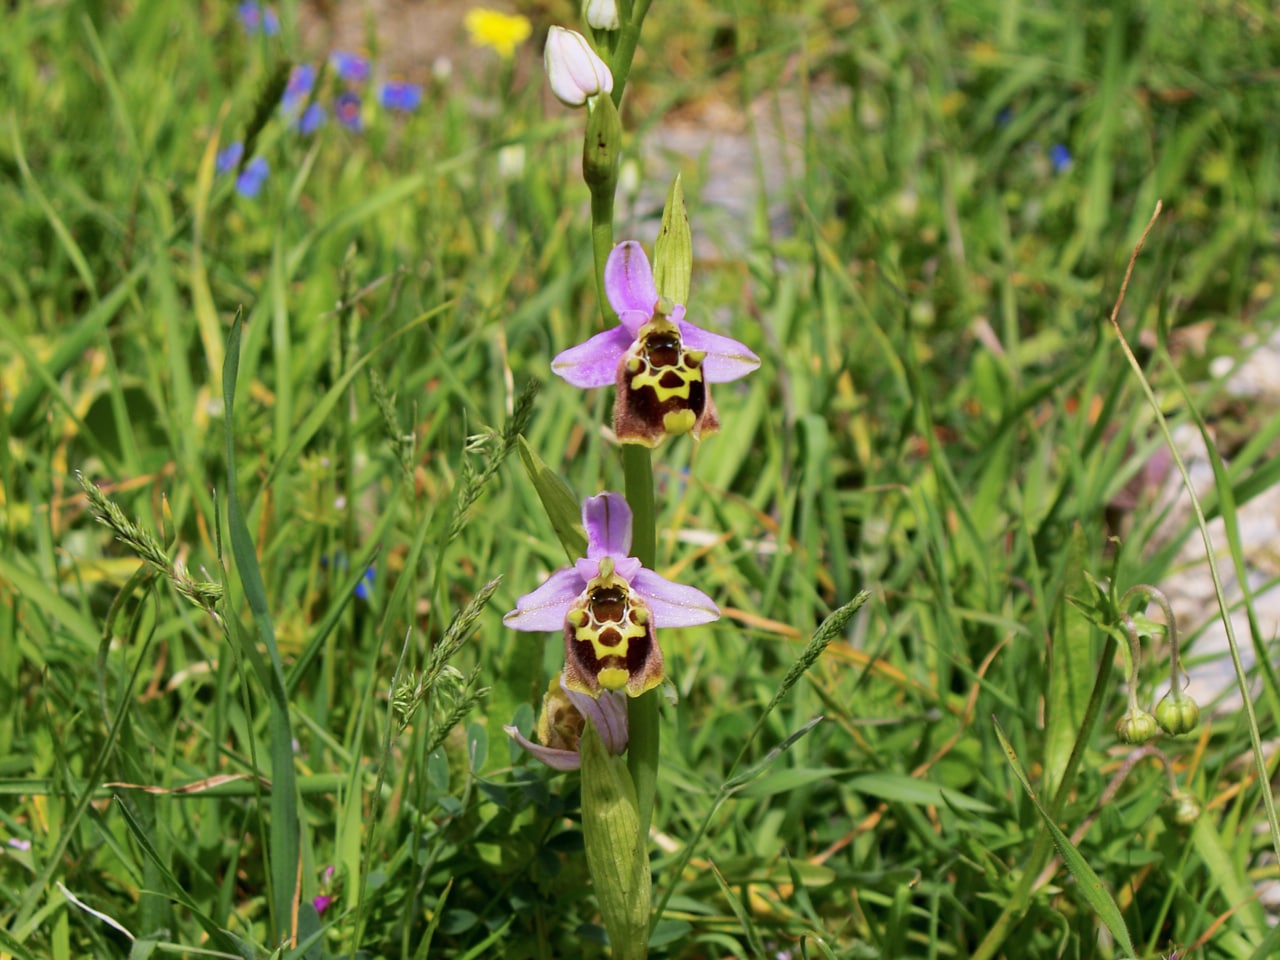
1090	885
284	839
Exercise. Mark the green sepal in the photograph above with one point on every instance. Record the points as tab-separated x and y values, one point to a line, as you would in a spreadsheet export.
563	509
673	253
615	848
602	145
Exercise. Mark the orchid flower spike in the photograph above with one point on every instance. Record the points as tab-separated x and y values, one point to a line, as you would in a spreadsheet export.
565	714
608	606
662	364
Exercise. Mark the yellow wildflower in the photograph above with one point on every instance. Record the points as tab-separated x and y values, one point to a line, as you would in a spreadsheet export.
502	32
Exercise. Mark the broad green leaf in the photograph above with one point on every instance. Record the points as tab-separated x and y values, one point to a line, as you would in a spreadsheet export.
563	509
900	788
1072	667
673	252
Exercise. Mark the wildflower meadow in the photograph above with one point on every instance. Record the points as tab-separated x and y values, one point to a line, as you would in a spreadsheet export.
631	480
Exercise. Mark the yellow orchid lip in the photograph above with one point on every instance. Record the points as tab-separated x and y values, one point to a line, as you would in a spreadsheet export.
609	639
608	607
662	388
661	364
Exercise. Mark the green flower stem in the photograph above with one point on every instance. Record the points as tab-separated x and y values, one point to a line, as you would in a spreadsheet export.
602	244
642	711
629	36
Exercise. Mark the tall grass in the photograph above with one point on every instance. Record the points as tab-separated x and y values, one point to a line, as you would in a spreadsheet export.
944	419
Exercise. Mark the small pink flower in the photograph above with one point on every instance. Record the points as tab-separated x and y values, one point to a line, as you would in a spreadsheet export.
663	365
608	606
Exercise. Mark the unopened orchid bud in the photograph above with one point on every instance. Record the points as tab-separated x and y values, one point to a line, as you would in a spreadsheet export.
1184	809
1136	726
601	14
574	70
1177	713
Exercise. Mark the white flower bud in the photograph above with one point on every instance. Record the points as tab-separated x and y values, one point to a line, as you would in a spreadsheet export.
601	14
574	70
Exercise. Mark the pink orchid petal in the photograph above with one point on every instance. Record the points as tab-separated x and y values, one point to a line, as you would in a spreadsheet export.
595	362
609	714
628	281
625	567
607	520
727	359
674	604
557	759
544	609
633	320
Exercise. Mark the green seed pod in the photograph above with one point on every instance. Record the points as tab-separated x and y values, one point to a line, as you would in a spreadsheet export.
1136	726
1177	713
1183	808
615	848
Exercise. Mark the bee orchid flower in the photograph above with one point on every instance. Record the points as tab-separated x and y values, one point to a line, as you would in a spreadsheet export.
608	607
662	364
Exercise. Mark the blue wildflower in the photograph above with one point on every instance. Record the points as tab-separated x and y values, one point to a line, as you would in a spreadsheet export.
1060	158
252	177
255	19
401	96
301	79
229	157
346	107
1004	117
312	119
350	67
362	588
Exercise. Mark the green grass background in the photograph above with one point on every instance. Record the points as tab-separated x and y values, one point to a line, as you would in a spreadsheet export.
943	417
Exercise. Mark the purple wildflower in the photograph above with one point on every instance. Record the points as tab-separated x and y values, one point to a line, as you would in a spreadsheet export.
401	96
322	903
365	582
301	79
346	107
350	67
254	18
252	177
312	119
229	157
1060	158
608	606
662	364
565	713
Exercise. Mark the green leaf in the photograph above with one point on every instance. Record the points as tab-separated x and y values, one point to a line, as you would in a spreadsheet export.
784	781
898	788
222	939
1071	676
1090	885
284	837
563	509
673	253
615	848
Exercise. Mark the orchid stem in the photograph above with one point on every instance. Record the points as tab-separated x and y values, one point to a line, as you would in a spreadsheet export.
642	711
602	244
